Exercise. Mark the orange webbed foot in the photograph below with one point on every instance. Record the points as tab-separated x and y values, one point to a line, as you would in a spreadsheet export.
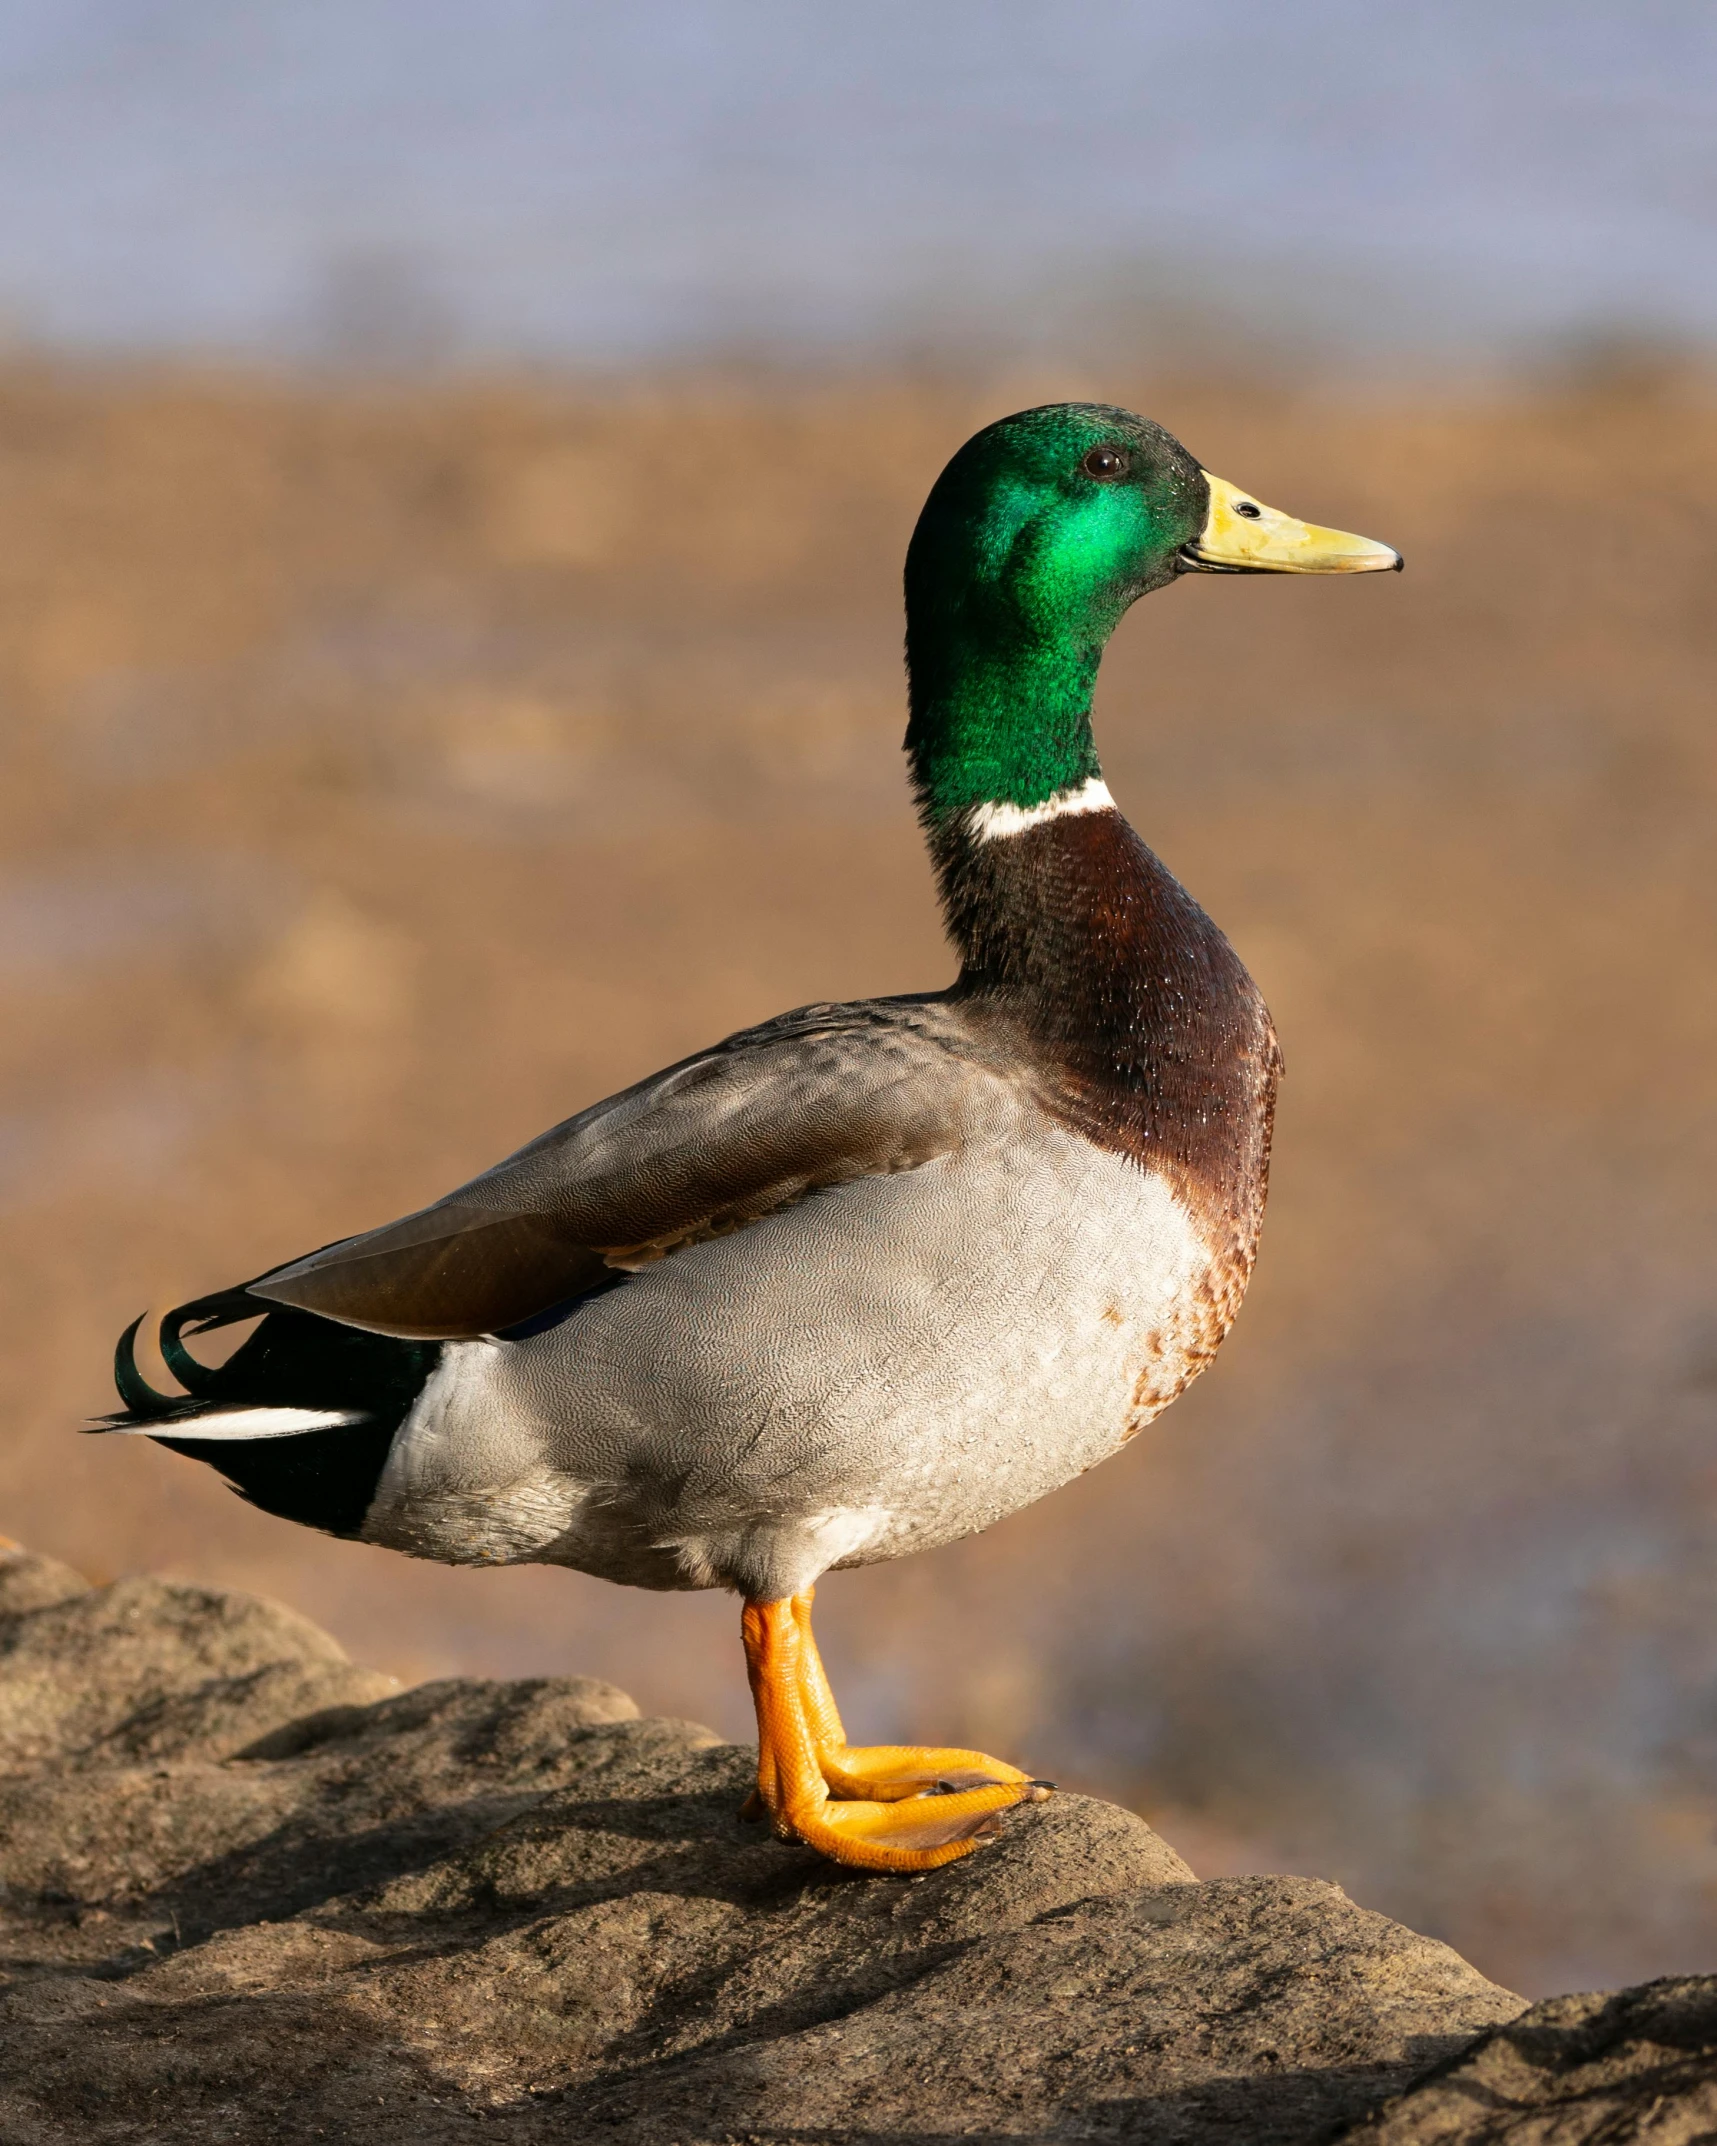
899	1807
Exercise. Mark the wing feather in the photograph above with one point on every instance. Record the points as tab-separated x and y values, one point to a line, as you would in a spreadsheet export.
816	1098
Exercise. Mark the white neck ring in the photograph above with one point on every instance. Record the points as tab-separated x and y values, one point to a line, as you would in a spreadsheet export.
990	823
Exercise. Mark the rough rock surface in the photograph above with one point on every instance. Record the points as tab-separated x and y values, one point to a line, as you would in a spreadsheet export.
1576	2071
254	1892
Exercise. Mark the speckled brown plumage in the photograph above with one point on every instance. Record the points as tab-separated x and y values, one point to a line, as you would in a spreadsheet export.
1149	1035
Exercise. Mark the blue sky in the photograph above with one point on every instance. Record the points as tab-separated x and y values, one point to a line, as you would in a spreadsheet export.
545	178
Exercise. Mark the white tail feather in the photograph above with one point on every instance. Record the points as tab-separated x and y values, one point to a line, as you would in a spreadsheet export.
245	1423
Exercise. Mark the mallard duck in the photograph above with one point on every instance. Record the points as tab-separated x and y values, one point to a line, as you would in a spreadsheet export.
868	1277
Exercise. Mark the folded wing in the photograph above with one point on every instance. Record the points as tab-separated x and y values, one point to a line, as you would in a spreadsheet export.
817	1098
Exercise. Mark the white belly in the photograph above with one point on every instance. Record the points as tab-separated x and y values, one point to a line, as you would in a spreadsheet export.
886	1366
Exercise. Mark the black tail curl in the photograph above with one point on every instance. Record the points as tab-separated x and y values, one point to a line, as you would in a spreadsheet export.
324	1478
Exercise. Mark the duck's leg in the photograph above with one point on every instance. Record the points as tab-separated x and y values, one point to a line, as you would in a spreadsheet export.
885	1773
891	1809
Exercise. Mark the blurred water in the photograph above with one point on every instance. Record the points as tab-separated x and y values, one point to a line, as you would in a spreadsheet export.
403	179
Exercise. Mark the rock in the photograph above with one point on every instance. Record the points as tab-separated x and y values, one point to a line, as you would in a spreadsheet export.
253	1891
1576	2071
146	1666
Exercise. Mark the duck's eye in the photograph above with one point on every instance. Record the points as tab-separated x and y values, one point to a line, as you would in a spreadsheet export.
1106	463
1251	512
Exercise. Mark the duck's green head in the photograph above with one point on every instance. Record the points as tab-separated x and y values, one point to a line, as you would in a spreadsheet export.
1036	538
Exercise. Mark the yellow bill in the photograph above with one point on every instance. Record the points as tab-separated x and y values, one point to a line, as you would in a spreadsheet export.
1243	536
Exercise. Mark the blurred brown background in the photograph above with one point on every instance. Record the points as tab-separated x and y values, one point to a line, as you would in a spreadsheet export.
392	770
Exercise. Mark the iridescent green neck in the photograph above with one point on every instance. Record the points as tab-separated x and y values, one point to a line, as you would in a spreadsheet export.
1007	725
